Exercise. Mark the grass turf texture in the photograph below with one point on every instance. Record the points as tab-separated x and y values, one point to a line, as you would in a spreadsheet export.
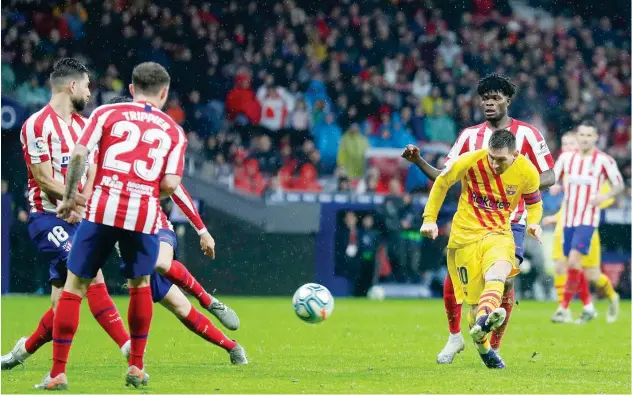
365	347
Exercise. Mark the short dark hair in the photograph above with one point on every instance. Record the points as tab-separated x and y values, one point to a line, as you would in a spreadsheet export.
119	99
496	82
588	123
150	77
67	67
502	138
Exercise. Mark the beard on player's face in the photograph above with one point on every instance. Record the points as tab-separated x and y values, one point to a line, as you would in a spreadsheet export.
78	103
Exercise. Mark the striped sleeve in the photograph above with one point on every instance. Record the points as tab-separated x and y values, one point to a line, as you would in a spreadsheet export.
537	150
531	189
175	160
35	141
611	171
94	129
460	146
182	198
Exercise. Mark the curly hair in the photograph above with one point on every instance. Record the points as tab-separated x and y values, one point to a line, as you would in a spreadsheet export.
496	82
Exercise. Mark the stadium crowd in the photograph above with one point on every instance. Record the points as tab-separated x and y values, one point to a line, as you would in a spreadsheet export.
276	95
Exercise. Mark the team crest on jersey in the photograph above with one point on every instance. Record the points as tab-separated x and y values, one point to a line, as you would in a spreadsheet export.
66	246
39	146
511	189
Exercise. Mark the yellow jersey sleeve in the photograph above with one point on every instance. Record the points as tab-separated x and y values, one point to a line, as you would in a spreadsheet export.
605	188
531	194
449	176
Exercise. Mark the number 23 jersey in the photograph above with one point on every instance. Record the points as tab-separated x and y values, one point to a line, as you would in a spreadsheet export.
137	146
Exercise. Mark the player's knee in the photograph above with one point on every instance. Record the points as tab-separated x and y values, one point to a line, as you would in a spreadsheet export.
509	284
560	267
139	282
99	279
499	271
77	285
163	265
592	274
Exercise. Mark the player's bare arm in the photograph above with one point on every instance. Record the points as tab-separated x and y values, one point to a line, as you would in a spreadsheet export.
411	154
547	179
602	197
76	167
43	175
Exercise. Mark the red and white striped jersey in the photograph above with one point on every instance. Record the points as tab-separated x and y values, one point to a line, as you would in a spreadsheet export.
583	178
46	137
529	142
182	198
137	146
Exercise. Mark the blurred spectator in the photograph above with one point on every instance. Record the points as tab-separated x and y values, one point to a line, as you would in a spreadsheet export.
300	119
276	105
348	258
175	111
268	160
32	95
327	137
241	100
410	239
440	126
369	265
353	145
389	212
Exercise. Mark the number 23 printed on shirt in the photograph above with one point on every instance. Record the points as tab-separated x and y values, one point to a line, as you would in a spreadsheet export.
134	136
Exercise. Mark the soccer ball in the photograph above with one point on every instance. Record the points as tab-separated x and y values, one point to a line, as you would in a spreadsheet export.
313	303
376	293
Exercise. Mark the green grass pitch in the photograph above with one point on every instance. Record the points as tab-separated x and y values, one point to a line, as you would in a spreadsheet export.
365	347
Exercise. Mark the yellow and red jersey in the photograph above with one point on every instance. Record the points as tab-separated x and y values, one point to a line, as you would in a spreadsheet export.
487	199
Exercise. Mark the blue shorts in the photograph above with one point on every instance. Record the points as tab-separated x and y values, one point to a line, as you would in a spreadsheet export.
518	235
53	237
94	242
160	285
578	238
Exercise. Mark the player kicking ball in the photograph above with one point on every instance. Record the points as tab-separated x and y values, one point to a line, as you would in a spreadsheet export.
481	248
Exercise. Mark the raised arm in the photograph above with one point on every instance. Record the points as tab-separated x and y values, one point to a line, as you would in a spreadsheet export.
411	154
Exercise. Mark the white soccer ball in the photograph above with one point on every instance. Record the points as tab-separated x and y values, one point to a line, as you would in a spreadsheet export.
313	303
376	293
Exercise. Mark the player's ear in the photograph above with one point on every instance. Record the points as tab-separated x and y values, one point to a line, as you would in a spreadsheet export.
515	154
164	92
131	89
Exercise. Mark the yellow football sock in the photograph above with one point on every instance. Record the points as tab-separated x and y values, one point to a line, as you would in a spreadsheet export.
560	282
490	298
605	286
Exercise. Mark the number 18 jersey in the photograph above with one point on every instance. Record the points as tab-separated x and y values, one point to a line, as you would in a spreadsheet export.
137	144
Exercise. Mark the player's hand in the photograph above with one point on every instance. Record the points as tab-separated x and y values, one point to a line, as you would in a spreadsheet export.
207	244
76	216
549	220
411	153
81	200
429	230
535	231
555	189
66	208
598	199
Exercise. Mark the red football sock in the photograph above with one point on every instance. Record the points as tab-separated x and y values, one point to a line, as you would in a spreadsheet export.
105	312
452	309
180	276
199	324
65	326
141	309
508	304
571	287
584	290
43	334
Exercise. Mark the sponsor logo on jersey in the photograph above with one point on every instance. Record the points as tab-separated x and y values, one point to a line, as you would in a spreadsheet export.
39	146
112	182
487	203
65	159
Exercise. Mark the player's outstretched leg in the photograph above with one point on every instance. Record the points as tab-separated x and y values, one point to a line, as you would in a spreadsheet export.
455	343
178	274
27	346
107	315
198	323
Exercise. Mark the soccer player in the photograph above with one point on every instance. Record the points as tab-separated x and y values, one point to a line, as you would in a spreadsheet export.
496	92
141	157
494	182
163	290
48	137
593	259
583	173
